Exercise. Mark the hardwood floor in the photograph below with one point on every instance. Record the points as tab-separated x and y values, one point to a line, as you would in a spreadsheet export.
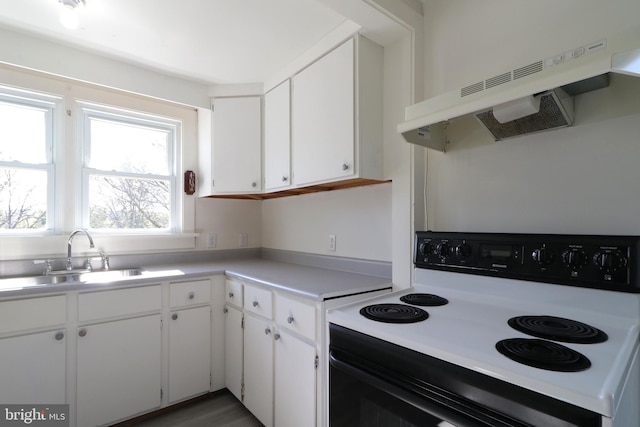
219	409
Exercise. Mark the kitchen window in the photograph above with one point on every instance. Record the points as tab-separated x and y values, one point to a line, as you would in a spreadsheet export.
26	161
129	170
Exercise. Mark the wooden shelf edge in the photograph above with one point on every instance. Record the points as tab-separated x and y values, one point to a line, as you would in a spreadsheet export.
330	186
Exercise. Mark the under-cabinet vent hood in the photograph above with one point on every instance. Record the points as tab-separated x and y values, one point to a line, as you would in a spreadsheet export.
528	99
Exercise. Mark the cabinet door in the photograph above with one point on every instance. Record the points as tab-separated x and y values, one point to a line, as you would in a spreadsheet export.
189	353
33	368
237	143
258	368
118	370
277	138
295	382
323	111
233	351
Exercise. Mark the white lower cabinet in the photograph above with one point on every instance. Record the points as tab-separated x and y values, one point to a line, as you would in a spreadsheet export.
258	368
118	369
295	381
189	353
279	353
233	350
33	368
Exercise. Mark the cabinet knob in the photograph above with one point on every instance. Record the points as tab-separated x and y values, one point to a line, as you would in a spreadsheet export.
82	332
174	316
345	167
276	337
59	336
267	331
230	294
255	303
290	319
254	184
225	310
285	179
192	295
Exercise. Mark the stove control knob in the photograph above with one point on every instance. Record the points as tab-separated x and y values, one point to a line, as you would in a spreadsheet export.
463	251
609	261
574	258
542	256
442	249
424	248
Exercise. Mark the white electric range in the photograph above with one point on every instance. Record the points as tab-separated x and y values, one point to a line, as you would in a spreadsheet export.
554	317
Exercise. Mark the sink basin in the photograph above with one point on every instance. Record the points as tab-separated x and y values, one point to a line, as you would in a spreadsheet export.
105	276
57	279
28	282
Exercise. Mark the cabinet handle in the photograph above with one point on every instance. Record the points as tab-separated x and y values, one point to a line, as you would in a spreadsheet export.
290	319
285	179
345	167
82	332
254	184
174	316
225	310
192	295
230	294
267	331
59	336
276	337
255	303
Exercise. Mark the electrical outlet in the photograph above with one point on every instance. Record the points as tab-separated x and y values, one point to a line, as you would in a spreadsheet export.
212	239
332	242
244	240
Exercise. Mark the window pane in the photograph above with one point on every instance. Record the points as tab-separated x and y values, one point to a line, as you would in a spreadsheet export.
23	199
128	148
128	203
22	134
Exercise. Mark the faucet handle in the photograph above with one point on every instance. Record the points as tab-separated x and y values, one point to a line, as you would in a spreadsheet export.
105	260
44	261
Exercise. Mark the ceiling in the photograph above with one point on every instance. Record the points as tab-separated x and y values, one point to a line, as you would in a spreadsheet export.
209	41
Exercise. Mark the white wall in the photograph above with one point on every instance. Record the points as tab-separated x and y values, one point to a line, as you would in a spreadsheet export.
227	219
583	179
359	217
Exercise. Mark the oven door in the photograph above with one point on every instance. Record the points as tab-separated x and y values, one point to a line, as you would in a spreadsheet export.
373	383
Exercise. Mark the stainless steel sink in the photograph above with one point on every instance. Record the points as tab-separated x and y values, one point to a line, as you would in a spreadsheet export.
106	276
28	282
71	277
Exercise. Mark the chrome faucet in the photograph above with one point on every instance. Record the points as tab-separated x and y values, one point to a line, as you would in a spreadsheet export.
71	236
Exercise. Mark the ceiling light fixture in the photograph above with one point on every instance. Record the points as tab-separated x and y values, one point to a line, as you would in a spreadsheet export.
69	13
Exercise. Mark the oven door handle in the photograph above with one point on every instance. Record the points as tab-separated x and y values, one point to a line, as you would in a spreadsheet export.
460	416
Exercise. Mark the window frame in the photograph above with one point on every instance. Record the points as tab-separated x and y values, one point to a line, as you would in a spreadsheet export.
89	111
51	106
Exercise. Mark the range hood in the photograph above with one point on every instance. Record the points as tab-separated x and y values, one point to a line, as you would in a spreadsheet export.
528	99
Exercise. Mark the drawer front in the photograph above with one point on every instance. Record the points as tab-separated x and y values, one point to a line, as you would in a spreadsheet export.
259	301
120	302
18	315
233	292
189	293
296	316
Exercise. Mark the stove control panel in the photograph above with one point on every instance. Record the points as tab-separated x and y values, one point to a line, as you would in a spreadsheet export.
603	262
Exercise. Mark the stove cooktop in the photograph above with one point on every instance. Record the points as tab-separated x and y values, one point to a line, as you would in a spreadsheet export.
466	330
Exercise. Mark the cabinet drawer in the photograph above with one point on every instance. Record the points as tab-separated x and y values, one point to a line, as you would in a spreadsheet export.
296	316
190	293
233	292
259	301
30	313
121	302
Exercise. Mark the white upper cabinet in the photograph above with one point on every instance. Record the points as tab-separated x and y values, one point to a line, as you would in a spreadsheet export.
337	115
277	138
236	149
